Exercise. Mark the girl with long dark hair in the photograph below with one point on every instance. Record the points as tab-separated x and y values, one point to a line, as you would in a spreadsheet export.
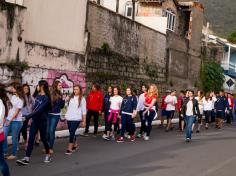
14	120
58	103
114	111
39	122
106	107
128	113
27	109
199	98
207	108
76	113
3	112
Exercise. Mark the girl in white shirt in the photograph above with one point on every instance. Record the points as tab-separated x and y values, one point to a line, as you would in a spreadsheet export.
14	120
207	108
3	111
76	113
113	118
199	98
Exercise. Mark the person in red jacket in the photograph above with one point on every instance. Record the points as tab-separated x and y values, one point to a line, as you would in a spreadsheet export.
229	116
94	107
163	108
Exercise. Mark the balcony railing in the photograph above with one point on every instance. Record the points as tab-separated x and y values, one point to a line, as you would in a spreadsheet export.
229	68
150	1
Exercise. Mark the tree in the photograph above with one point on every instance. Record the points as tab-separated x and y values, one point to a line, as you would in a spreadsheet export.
232	37
212	76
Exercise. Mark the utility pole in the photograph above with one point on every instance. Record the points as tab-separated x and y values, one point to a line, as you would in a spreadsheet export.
133	15
117	6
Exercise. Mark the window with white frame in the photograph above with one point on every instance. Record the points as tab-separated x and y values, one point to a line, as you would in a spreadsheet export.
18	2
129	10
171	19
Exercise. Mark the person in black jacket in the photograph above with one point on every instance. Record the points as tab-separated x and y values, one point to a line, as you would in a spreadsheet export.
128	113
39	122
221	106
190	111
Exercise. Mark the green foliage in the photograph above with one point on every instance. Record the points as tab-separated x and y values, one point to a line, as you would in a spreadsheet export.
151	71
212	76
105	47
232	37
16	65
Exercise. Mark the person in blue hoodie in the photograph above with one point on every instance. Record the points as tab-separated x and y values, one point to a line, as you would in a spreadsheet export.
39	118
58	103
105	110
128	113
221	107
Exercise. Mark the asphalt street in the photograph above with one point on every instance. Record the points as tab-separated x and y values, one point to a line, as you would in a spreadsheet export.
211	153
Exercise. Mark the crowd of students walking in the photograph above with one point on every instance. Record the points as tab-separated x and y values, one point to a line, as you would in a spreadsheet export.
41	112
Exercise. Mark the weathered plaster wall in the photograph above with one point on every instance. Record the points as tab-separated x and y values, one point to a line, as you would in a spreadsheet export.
57	23
11	31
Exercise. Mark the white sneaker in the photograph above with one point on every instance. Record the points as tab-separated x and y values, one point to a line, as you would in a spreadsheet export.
104	136
146	138
47	159
113	138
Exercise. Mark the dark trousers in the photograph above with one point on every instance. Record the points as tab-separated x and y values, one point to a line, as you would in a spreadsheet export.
95	115
106	115
181	119
213	116
142	120
3	165
41	126
148	122
229	117
207	116
116	125
127	125
72	126
23	130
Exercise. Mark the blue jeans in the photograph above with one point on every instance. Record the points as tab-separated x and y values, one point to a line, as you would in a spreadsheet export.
3	165
189	122
72	126
51	128
127	124
15	128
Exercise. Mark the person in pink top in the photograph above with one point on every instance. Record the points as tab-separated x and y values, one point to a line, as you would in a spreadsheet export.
114	111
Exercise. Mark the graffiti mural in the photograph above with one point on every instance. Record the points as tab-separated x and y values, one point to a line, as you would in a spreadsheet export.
67	78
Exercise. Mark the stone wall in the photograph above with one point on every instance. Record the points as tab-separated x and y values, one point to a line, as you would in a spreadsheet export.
136	53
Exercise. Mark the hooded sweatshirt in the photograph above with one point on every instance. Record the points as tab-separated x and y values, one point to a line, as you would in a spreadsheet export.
95	101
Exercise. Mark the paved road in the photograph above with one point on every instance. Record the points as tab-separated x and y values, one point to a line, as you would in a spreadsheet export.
211	153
